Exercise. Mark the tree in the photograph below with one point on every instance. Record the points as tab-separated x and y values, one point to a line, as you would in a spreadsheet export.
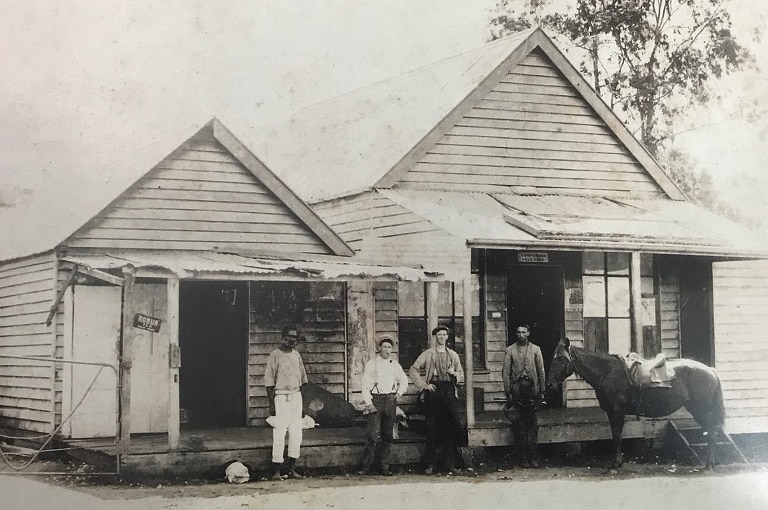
650	59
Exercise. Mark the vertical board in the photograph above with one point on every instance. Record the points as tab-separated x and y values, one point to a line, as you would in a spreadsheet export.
95	337
149	372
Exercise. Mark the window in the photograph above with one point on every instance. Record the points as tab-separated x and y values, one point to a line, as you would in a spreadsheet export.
412	320
605	279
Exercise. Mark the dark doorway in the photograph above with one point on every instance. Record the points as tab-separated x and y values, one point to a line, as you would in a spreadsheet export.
213	336
535	296
696	310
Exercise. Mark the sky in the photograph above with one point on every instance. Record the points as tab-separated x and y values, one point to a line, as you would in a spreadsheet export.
96	93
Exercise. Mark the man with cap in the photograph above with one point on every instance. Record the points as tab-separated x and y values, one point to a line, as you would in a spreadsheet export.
439	398
383	382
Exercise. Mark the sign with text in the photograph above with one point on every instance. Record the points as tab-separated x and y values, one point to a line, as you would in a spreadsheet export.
533	257
146	322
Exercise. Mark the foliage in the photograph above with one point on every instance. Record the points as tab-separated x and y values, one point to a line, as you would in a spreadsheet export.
650	59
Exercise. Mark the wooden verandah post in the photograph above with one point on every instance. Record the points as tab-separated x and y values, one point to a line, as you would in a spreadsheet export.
126	353
174	363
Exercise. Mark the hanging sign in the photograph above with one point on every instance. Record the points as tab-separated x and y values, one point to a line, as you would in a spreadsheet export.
533	257
146	322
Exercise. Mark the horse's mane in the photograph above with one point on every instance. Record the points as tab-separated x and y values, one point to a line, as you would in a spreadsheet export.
593	364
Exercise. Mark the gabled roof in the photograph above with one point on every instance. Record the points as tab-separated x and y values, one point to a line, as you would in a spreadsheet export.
69	225
373	136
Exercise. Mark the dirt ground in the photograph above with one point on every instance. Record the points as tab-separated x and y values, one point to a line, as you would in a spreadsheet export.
585	464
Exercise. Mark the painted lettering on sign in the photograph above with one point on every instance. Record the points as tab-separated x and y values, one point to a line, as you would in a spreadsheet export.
146	322
533	257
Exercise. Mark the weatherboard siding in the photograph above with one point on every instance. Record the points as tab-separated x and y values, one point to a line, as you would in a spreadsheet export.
199	198
319	310
26	295
533	132
740	293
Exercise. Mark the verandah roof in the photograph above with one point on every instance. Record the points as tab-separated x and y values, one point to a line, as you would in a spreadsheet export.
188	265
581	222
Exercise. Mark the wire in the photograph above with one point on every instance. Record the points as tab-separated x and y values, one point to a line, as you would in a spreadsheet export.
49	436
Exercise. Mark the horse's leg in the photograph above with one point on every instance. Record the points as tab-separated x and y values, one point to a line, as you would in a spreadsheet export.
616	419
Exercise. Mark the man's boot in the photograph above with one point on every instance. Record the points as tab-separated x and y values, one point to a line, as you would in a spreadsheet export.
276	474
292	473
520	440
533	440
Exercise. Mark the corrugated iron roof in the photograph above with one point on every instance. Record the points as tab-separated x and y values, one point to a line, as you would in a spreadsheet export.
569	222
196	264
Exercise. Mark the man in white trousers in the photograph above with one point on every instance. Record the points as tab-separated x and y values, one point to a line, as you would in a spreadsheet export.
283	378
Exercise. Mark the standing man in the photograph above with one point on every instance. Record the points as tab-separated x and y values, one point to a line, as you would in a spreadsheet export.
283	379
523	377
384	381
439	397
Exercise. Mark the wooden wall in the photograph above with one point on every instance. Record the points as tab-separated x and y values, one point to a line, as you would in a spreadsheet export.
383	232
319	310
741	350
27	290
532	131
669	309
199	198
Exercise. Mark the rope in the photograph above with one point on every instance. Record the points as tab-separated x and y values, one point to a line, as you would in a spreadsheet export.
5	455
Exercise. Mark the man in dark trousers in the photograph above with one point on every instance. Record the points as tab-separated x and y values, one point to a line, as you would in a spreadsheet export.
283	378
438	389
524	380
383	383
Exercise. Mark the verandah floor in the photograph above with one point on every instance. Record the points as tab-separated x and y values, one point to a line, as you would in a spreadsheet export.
202	449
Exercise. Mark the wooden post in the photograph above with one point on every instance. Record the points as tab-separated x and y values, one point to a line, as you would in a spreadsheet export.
174	363
636	304
126	359
433	291
469	384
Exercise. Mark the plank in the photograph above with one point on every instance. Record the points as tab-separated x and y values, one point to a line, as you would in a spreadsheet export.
205	246
532	140
197	225
520	171
542	182
232	236
527	88
527	162
233	168
473	120
205	195
489	113
200	205
548	108
45	282
269	215
583	154
23	299
25	264
164	182
9	273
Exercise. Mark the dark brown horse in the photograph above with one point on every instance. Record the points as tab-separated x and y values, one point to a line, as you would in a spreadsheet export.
695	386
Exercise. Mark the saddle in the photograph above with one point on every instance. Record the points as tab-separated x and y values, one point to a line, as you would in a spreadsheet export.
648	373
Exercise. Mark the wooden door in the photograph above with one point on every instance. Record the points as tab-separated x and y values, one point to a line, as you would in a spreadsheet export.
95	327
150	368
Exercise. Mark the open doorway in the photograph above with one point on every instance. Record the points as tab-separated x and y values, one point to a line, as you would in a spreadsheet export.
213	337
696	341
535	296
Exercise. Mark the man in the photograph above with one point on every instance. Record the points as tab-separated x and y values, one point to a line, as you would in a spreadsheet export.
384	381
283	378
443	372
523	377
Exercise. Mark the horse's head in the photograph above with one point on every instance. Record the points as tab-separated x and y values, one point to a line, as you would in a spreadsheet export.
561	366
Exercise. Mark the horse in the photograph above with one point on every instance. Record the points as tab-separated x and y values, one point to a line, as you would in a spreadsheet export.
695	386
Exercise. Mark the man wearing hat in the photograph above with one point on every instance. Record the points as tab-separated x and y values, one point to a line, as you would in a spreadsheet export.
383	382
439	398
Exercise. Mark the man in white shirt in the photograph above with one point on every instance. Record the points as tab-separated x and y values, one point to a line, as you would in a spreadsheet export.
383	382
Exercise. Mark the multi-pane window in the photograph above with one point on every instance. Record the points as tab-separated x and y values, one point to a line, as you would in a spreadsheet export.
412	319
606	285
